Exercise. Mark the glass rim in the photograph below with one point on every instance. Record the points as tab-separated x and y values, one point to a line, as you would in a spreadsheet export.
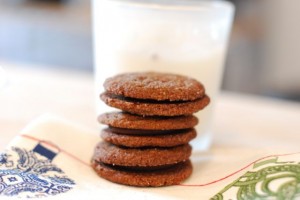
178	5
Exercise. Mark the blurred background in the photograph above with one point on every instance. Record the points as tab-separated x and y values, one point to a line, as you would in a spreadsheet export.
263	57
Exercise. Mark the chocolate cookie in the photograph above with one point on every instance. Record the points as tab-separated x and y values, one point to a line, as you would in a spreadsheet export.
126	131
170	176
155	86
129	121
143	157
152	108
178	137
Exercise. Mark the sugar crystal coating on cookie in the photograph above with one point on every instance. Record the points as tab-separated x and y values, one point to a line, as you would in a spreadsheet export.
147	143
175	138
157	108
142	157
155	86
173	175
129	121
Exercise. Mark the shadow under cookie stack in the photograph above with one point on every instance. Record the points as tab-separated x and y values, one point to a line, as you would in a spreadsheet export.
147	143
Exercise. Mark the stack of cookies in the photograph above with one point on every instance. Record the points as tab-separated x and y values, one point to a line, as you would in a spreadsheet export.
147	143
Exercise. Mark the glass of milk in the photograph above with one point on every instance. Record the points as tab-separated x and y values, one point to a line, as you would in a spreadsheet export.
2	78
187	37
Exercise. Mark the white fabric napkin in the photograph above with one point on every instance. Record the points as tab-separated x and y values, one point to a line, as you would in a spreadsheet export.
50	159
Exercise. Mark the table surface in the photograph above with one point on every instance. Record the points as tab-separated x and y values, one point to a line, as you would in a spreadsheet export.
240	122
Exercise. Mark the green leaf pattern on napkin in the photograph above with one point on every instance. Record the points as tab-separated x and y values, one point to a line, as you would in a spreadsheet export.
269	179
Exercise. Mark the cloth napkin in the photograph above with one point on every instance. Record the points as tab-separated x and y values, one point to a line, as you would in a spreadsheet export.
50	159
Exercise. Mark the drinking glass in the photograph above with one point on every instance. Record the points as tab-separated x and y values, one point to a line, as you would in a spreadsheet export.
187	37
2	78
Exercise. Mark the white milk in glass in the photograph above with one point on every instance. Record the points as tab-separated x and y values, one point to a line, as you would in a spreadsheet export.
177	39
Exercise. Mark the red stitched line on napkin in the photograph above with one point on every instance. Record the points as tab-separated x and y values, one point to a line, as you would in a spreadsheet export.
221	179
57	147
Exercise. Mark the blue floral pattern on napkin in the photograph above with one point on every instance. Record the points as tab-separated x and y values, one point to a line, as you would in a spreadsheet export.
31	173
